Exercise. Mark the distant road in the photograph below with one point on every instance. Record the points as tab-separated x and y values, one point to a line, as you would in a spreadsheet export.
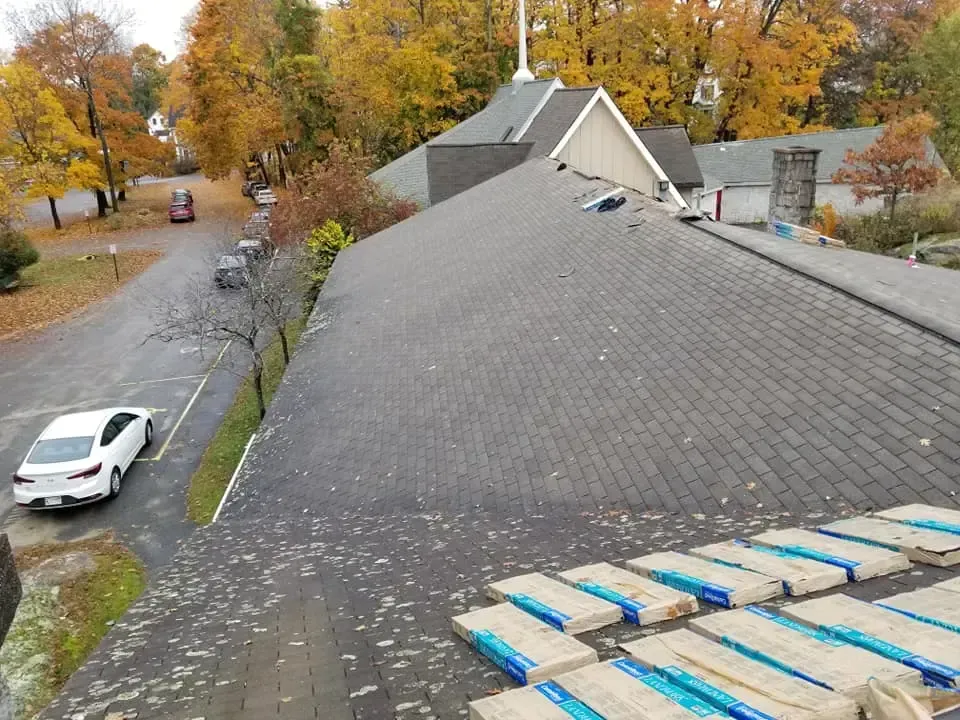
75	202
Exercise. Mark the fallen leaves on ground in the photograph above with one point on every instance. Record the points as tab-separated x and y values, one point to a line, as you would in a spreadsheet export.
53	289
146	206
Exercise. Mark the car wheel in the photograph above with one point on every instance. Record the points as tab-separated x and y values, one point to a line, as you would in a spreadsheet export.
115	478
193	218
148	434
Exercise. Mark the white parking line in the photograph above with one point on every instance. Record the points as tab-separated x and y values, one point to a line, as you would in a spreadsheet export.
160	380
233	479
193	399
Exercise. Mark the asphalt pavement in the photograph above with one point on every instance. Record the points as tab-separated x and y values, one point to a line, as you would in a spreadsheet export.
102	358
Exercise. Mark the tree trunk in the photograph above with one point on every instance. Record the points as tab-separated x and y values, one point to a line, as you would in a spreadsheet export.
103	145
258	386
263	169
101	203
284	346
53	211
893	205
281	169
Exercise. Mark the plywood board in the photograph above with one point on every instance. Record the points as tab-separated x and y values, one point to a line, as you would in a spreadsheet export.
733	682
642	601
932	650
932	605
930	547
807	654
525	648
544	701
718	584
798	575
554	603
625	690
924	516
860	561
953	585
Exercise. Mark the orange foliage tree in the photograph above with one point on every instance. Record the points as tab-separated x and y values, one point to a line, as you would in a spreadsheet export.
895	164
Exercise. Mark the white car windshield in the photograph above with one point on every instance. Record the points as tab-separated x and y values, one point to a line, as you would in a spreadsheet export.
60	450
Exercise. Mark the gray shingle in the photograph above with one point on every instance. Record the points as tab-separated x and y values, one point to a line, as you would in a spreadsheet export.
556	117
670	146
506	351
751	161
498	121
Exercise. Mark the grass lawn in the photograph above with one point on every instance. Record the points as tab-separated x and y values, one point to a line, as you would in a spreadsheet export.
65	626
242	419
146	206
52	289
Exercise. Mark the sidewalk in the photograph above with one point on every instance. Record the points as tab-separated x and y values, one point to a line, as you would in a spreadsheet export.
925	295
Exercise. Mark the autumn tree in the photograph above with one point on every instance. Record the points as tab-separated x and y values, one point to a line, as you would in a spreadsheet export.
38	135
149	74
939	63
896	163
73	40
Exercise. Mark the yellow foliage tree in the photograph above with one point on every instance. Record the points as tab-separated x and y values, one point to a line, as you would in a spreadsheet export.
36	132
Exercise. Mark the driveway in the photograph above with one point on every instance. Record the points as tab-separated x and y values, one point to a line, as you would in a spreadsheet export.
100	358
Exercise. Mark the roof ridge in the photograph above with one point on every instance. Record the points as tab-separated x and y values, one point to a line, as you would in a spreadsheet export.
778	137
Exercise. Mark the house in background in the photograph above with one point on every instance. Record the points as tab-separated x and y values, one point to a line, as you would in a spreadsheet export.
581	127
738	175
671	147
163	126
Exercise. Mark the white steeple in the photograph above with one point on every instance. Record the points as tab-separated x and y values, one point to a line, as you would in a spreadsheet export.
522	74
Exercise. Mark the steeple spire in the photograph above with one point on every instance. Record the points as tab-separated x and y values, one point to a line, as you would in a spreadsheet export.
523	73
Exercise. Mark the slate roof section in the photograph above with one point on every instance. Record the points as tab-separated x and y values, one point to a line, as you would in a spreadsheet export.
506	351
502	118
560	112
751	161
670	146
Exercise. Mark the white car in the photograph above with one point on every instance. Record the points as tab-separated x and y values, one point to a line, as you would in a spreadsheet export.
265	197
81	458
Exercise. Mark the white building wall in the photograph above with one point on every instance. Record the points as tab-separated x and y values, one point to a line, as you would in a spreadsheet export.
750	204
600	147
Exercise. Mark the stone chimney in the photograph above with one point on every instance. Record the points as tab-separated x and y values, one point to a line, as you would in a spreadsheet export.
793	193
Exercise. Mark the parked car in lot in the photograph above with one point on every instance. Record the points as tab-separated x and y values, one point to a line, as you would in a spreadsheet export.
181	196
181	212
253	250
261	214
81	458
265	197
231	272
250	187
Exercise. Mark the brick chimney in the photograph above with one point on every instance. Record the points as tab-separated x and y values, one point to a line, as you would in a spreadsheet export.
793	193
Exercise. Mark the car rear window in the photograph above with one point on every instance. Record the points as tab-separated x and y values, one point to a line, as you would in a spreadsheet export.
60	450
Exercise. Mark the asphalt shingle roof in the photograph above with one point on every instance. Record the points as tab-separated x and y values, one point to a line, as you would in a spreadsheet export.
499	121
751	161
556	117
506	351
671	148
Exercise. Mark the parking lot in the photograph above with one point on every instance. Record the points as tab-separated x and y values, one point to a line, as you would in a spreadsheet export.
102	359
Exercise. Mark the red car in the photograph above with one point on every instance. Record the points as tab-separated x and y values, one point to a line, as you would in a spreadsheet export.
181	211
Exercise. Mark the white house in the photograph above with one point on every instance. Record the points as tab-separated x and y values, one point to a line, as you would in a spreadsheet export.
737	175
